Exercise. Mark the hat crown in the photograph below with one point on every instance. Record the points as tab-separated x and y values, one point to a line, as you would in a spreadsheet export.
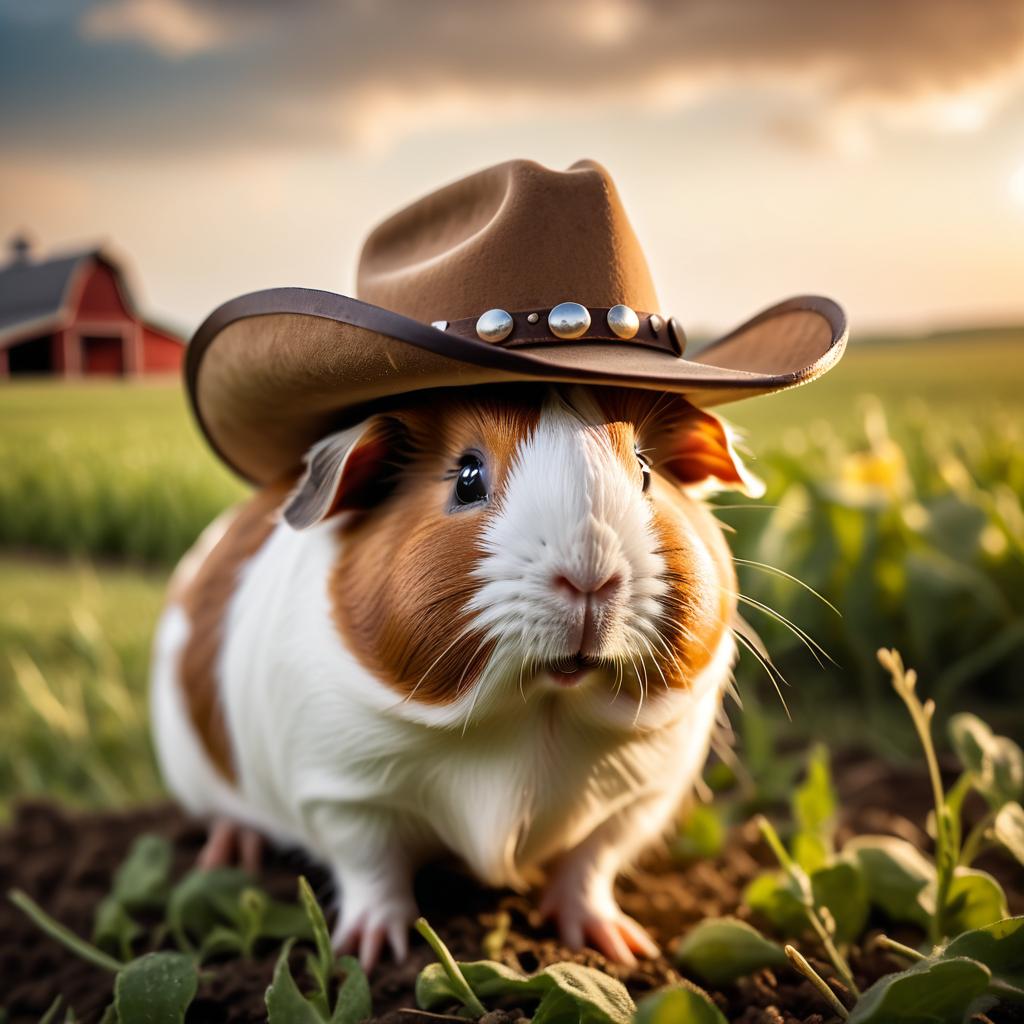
515	236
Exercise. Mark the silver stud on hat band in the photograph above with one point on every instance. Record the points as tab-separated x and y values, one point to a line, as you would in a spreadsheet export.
569	320
623	322
494	325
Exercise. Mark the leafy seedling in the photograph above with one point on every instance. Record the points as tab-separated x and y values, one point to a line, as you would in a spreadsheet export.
219	911
678	1004
994	766
564	992
701	835
141	883
286	1004
156	988
932	990
720	950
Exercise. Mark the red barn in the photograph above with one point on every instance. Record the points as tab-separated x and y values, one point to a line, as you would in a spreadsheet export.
74	315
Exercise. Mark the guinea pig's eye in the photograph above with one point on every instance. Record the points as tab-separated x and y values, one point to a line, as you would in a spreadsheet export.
645	468
470	485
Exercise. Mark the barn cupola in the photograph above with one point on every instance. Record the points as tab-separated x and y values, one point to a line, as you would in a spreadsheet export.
21	249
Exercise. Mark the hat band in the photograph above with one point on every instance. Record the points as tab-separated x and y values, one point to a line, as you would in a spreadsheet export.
570	322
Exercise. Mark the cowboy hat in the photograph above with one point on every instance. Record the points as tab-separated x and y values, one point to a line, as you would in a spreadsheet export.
516	273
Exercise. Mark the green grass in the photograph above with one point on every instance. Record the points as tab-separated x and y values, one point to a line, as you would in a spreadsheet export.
108	470
74	652
977	377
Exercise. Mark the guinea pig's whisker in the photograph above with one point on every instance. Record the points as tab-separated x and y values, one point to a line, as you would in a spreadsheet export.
775	571
654	658
769	666
686	633
817	651
472	703
619	677
458	638
675	623
752	505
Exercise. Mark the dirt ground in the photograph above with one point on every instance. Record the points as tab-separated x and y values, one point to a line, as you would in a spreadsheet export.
65	861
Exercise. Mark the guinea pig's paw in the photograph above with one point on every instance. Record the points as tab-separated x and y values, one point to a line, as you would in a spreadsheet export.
229	843
595	919
365	927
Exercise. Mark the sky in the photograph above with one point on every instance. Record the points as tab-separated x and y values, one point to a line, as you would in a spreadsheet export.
872	151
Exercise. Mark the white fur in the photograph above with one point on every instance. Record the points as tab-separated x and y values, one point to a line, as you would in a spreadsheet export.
515	772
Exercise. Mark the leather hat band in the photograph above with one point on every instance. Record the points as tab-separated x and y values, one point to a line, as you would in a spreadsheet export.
530	327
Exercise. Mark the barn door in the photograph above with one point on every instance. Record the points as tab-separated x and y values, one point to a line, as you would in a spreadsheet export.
103	354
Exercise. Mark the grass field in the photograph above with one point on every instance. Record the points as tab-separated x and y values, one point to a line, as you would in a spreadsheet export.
895	489
74	648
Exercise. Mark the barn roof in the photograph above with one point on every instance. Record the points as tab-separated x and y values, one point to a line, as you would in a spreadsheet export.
34	294
31	292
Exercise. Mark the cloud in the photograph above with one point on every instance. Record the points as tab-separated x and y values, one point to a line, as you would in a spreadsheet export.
358	70
173	28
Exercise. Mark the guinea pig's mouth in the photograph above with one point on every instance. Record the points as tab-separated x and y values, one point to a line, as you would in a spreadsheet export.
568	671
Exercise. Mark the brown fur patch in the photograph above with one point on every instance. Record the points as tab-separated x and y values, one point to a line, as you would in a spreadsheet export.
699	605
400	590
205	599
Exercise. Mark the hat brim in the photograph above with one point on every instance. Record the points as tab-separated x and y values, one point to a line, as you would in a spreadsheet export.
270	373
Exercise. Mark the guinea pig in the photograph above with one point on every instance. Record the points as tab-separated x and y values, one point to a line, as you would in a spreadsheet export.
495	623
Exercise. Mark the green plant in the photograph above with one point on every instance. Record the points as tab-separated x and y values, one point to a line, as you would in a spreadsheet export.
565	993
975	951
348	1005
206	914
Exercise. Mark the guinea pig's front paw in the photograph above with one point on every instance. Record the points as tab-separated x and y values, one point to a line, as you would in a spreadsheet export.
590	916
364	925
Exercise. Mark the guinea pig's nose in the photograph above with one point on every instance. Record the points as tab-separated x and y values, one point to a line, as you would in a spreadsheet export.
579	589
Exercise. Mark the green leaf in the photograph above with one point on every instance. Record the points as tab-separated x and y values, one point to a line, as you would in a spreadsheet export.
354	1003
811	851
720	950
814	808
156	989
701	835
774	897
1009	829
51	1014
65	936
203	900
930	992
141	882
895	875
1000	947
678	1005
485	977
568	991
970	736
841	888
996	761
975	900
113	930
285	1003
1007	769
252	904
285	921
597	997
220	941
322	964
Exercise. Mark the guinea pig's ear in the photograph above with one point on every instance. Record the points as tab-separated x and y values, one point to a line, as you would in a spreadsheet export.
345	471
700	454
